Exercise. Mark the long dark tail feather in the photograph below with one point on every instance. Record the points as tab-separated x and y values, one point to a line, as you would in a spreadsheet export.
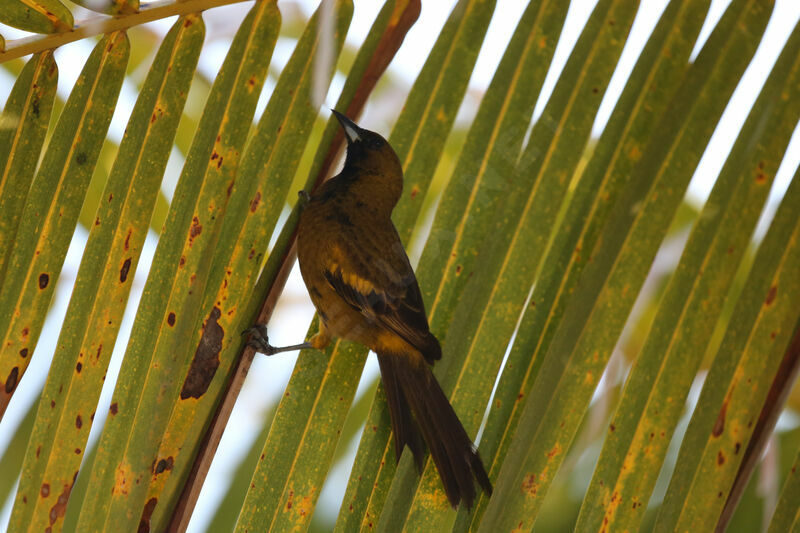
404	429
456	459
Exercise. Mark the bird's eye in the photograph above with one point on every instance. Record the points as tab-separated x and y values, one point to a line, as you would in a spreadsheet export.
375	143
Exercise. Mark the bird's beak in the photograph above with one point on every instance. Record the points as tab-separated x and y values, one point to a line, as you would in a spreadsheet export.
351	130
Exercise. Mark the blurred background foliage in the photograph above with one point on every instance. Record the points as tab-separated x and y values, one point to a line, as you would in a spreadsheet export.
561	506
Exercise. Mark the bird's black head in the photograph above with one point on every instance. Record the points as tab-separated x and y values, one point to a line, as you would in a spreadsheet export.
370	155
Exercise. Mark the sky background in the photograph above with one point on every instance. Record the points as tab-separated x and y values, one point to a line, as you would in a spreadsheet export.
268	376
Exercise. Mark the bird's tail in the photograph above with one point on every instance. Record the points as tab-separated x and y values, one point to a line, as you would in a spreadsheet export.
415	386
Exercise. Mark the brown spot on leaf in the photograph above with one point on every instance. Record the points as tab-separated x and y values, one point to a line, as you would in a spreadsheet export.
529	484
171	319
737	447
127	240
720	458
44	279
255	201
458	270
195	229
121	474
123	272
60	508
147	513
206	358
23	353
164	464
45	490
79	367
11	380
773	291
555	451
113	409
414	191
78	422
719	425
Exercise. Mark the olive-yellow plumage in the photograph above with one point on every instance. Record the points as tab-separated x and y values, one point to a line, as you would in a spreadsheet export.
362	284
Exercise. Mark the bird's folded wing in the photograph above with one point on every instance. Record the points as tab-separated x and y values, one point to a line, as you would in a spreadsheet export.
383	289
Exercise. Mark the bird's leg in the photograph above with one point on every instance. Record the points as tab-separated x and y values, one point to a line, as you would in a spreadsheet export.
321	338
304	196
259	340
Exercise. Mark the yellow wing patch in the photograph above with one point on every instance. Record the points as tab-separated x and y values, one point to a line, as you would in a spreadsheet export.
362	285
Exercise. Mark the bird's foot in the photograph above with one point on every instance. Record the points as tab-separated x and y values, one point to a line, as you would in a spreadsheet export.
304	196
259	340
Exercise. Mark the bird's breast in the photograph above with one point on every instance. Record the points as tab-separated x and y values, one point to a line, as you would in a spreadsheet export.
322	228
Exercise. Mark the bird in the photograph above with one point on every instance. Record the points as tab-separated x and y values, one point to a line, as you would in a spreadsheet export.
364	289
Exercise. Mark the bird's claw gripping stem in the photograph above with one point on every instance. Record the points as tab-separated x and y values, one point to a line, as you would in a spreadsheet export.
259	340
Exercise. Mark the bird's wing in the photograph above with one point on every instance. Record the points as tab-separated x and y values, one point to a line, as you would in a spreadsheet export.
378	281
